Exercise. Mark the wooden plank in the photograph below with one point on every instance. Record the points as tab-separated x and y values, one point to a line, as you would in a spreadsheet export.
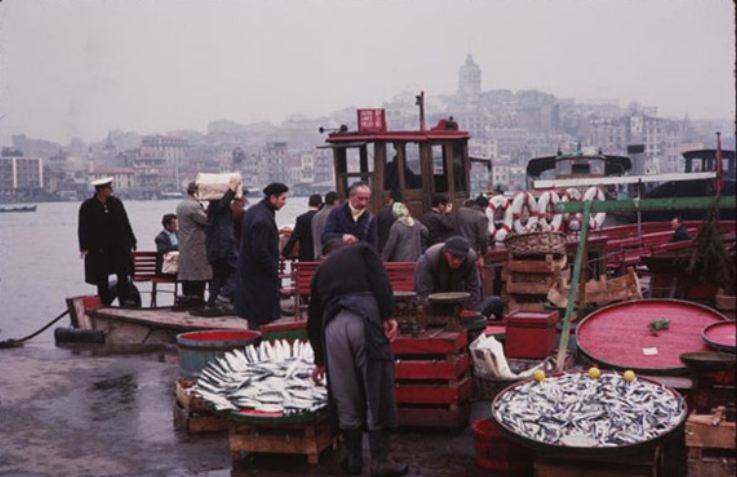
197	422
529	288
434	394
712	467
534	266
672	203
308	439
432	369
600	181
166	319
450	417
431	342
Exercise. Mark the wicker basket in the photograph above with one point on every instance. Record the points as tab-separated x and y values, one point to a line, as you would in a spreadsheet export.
536	243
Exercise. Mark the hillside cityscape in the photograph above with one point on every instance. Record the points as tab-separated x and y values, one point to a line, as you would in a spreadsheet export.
507	127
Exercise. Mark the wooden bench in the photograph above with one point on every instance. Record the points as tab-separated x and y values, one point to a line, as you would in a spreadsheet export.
145	270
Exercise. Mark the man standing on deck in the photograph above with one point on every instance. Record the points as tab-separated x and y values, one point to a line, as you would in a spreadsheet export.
221	255
302	233
257	292
350	328
353	222
318	222
106	241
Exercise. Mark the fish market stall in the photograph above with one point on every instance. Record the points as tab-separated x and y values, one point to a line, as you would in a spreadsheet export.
267	394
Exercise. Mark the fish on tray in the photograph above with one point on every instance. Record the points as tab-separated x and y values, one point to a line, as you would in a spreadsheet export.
270	378
574	408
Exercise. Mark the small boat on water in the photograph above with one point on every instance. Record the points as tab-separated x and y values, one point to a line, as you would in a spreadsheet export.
24	208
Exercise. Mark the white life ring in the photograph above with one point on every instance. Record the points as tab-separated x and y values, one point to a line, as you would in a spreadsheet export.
499	231
549	197
520	200
597	220
572	220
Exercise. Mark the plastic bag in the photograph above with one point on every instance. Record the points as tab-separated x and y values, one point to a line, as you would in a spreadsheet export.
170	263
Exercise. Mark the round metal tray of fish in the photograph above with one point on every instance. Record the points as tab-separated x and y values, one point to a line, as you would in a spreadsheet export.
574	415
270	382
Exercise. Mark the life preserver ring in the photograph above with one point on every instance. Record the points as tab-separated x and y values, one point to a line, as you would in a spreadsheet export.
499	230
549	197
572	221
520	200
597	220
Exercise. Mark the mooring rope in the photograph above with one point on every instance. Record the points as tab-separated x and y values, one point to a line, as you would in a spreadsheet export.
13	343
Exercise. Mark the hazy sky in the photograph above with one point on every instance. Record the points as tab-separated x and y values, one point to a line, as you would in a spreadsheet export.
81	68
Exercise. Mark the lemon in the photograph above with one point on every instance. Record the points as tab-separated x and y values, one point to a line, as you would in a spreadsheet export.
629	376
594	372
539	375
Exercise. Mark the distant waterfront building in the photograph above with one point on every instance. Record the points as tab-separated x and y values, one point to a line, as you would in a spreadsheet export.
123	177
21	173
469	77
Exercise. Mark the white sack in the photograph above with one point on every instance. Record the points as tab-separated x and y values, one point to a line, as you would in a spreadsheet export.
214	186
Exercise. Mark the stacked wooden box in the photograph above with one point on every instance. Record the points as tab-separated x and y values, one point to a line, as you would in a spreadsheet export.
308	438
711	445
644	463
433	382
192	414
528	279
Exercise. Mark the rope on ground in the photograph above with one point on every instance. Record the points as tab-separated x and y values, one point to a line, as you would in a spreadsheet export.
13	343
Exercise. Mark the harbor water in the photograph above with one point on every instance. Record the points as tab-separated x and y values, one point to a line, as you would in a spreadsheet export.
40	263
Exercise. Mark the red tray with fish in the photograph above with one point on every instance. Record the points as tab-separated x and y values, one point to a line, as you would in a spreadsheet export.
721	336
647	336
574	415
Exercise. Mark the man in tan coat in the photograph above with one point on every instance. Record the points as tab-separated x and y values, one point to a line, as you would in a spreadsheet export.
194	271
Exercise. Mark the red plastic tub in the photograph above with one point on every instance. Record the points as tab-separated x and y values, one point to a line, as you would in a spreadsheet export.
496	452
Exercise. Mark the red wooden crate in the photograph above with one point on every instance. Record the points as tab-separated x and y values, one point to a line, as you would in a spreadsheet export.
431	342
432	369
530	335
451	417
434	393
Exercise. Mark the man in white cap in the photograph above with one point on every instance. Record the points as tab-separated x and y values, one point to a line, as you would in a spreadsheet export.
106	241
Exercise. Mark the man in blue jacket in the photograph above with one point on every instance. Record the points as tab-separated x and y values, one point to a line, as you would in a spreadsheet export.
353	222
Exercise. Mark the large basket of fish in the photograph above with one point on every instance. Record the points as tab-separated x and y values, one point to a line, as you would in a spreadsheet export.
596	414
271	382
536	243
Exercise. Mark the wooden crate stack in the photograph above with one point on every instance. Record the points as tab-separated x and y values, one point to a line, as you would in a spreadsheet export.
305	438
192	414
433	382
528	279
711	445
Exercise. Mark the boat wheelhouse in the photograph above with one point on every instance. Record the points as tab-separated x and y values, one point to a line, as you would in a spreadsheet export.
577	165
417	164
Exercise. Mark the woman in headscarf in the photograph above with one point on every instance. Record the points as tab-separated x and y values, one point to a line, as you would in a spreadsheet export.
407	237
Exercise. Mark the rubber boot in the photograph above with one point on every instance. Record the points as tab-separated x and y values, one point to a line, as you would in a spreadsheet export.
352	460
381	464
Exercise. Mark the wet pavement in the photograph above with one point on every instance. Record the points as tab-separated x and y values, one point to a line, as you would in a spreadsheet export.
75	413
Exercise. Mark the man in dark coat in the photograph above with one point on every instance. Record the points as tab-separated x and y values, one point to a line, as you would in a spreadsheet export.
473	224
438	221
257	292
451	267
350	328
353	222
680	231
319	220
167	240
106	241
385	218
220	243
302	233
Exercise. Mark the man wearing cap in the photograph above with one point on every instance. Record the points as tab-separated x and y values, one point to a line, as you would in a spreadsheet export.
194	271
451	267
353	222
106	241
302	232
257	292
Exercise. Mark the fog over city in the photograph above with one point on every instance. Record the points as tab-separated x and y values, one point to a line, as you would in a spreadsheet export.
82	68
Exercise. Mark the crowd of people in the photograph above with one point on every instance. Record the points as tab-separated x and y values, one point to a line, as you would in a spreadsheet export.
350	325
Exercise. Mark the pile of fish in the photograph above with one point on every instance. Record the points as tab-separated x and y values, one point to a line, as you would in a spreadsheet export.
272	377
604	412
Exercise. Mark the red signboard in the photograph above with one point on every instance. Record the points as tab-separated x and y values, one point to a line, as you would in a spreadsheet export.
371	120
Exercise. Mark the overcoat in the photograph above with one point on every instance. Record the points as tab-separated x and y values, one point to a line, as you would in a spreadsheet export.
405	243
257	291
220	239
105	232
193	264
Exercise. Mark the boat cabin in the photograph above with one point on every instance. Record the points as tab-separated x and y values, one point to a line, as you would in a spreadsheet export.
703	160
417	164
579	165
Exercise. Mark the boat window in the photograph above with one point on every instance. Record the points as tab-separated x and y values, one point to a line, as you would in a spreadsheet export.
580	168
439	173
391	175
597	167
459	168
563	168
413	169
